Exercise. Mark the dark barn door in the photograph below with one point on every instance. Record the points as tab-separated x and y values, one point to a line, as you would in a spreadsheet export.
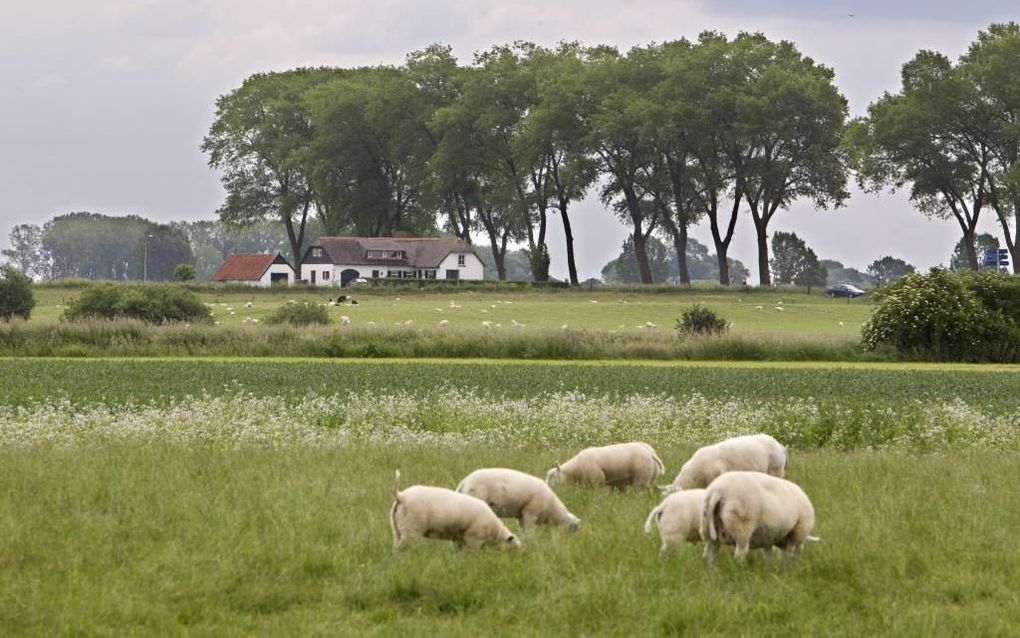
346	276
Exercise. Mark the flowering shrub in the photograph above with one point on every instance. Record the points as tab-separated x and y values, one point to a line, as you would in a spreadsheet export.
454	416
939	316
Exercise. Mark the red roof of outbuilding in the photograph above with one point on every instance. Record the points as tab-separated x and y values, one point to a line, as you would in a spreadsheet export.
245	267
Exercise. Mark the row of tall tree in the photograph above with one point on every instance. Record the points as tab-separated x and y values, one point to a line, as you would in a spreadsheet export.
669	134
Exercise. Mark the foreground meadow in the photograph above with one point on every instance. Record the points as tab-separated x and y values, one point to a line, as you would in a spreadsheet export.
180	539
227	497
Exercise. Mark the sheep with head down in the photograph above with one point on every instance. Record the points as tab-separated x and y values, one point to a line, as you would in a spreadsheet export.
753	453
621	465
678	518
422	511
513	494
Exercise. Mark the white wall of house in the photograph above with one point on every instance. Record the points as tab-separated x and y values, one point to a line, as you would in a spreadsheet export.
472	268
325	274
267	278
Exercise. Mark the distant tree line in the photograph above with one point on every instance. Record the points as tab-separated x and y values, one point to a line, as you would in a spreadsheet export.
94	246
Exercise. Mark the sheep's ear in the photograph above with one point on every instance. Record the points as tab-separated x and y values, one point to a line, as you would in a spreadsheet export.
511	538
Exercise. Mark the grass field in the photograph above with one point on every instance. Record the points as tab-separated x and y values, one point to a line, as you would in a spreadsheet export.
751	313
239	496
158	539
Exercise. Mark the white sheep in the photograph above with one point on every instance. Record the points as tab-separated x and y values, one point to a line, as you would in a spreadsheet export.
751	510
423	511
635	464
678	517
513	494
345	320
753	453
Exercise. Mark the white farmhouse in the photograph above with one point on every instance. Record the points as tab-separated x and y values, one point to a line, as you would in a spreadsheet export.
336	261
255	269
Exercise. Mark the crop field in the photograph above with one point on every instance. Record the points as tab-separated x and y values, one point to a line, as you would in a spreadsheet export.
753	312
238	496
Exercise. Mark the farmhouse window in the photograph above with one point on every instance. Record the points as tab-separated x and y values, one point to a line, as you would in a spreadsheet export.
461	260
325	275
452	274
316	252
375	273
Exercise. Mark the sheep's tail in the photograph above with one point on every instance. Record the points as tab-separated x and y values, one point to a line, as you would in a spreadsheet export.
396	488
813	539
713	502
653	518
658	463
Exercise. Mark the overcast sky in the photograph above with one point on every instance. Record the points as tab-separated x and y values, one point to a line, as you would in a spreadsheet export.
104	103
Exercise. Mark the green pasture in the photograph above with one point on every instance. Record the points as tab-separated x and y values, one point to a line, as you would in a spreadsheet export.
27	380
168	540
752	312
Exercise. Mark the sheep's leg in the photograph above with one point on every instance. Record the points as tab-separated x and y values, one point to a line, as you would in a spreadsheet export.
711	548
528	520
743	545
667	549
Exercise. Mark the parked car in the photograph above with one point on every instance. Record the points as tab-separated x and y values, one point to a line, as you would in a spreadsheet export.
843	290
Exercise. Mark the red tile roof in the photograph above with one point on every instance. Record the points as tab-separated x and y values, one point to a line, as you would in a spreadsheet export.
244	267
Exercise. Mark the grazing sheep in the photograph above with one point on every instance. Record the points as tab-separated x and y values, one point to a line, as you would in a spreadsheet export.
487	325
754	453
751	510
422	511
678	517
513	494
444	322
345	320
635	464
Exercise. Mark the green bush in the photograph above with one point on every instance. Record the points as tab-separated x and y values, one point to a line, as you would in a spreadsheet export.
16	299
946	316
151	304
185	272
699	320
299	314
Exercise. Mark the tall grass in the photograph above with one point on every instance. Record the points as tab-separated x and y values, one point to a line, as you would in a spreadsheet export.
164	539
126	338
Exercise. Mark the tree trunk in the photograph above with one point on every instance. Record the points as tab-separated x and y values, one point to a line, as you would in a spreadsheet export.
498	255
641	252
722	242
296	238
680	245
571	266
640	245
764	275
724	263
970	248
